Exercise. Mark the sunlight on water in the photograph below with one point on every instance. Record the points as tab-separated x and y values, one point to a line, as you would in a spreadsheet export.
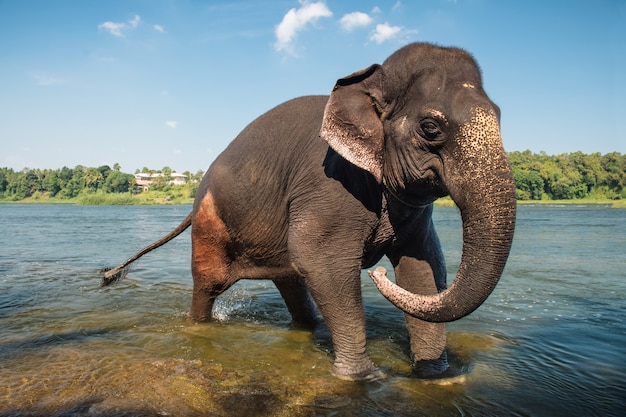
221	368
550	341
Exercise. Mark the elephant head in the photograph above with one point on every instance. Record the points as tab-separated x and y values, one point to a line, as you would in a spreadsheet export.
423	126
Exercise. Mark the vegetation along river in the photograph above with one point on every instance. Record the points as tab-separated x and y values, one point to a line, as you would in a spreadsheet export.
550	340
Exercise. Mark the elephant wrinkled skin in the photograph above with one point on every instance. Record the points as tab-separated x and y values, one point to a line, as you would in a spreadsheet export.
309	213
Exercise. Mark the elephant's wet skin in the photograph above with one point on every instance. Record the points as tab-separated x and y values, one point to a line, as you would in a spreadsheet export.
308	213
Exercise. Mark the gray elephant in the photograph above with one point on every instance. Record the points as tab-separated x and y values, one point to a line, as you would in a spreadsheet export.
310	214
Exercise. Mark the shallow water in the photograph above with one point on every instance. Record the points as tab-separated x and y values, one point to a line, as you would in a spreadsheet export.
550	340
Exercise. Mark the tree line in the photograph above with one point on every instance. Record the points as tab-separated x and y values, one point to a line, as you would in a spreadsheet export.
569	176
68	183
537	176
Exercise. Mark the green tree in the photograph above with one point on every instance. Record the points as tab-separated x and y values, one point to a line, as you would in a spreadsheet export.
104	170
92	178
614	165
51	183
4	179
65	174
74	184
24	184
119	182
529	184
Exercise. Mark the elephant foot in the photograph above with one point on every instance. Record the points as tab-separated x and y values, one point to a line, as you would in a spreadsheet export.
371	374
438	371
431	368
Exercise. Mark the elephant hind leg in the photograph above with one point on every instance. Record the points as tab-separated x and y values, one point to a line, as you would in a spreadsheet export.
298	300
210	263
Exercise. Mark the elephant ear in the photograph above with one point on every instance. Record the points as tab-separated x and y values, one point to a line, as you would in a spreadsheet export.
352	124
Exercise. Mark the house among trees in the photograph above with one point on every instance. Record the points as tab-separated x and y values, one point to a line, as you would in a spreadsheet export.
143	180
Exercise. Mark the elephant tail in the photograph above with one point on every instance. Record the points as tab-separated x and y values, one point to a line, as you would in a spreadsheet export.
113	275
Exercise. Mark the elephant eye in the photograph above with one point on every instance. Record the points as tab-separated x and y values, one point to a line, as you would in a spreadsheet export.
430	129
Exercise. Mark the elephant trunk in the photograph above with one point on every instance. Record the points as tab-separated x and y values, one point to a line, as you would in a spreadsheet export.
481	184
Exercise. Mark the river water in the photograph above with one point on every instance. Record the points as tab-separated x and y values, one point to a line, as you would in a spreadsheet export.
550	340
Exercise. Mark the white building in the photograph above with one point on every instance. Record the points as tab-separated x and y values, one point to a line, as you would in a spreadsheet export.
143	180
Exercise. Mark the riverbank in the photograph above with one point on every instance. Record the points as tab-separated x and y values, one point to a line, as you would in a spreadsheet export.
110	199
161	197
576	202
447	202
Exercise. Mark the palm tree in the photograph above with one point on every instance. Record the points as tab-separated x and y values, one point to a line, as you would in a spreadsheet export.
92	177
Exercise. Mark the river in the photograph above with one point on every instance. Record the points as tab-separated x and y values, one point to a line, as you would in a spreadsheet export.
549	341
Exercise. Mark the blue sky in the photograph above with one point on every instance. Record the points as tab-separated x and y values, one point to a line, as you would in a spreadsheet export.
170	83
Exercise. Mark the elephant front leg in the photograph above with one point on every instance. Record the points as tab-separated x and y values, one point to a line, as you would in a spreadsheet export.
428	340
337	294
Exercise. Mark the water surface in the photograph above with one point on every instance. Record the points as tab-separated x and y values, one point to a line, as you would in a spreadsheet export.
550	340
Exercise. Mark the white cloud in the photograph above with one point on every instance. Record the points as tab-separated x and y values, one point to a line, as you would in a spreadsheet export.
354	20
114	28
171	123
385	32
118	28
135	21
159	28
297	19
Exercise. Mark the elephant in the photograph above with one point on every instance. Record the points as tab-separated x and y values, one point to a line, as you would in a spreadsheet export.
321	187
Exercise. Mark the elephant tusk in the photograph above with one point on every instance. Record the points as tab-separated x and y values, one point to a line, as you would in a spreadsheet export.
379	276
418	306
384	284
